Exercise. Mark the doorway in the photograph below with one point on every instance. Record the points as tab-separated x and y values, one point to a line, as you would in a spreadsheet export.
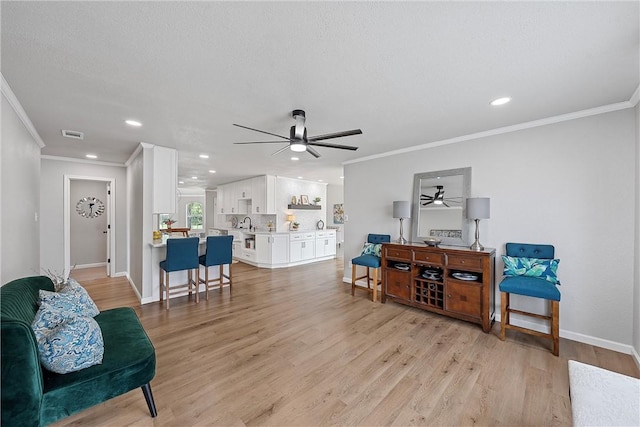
88	233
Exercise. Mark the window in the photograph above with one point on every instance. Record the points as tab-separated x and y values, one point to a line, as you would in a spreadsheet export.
195	216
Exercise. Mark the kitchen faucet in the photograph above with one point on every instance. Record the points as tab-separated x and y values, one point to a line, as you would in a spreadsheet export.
247	218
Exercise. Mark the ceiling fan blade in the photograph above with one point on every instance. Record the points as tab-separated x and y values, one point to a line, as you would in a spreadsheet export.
260	142
335	135
313	152
280	150
428	203
425	197
446	204
262	131
324	144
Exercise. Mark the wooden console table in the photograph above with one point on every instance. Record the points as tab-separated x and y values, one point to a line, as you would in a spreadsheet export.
449	280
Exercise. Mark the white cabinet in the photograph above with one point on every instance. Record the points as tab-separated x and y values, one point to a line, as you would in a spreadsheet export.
263	197
165	180
220	199
302	246
325	243
272	249
228	199
243	189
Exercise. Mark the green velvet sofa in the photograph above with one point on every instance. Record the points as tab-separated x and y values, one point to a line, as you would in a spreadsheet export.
33	396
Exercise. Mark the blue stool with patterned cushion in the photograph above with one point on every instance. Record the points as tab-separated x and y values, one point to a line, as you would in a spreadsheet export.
530	270
182	254
369	258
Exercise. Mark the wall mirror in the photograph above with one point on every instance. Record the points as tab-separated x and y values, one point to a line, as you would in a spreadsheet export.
439	206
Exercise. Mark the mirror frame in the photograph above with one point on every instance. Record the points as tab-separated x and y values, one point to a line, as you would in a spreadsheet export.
415	207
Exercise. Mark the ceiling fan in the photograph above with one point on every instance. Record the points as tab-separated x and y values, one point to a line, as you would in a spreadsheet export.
438	198
298	140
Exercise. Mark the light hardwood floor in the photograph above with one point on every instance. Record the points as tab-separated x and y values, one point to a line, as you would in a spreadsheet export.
292	347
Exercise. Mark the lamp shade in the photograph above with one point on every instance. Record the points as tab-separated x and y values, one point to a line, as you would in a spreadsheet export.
401	209
291	218
478	208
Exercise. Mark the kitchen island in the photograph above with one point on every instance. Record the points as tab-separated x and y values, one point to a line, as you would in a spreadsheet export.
282	249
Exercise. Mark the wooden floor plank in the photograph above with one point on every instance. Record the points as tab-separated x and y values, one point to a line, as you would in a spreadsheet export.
291	347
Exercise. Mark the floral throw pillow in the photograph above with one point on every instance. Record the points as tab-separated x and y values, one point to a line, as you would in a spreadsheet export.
533	267
67	344
372	249
72	300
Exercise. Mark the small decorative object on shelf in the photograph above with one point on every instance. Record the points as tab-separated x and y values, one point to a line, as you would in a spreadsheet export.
295	226
320	225
294	201
169	222
316	200
304	199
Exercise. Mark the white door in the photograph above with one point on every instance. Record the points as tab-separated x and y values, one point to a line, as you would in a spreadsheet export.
89	224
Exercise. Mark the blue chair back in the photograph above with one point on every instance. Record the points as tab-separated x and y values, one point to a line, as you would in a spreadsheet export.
219	250
378	238
527	250
182	254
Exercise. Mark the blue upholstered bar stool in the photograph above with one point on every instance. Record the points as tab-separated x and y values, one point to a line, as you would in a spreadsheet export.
182	254
219	252
369	261
537	287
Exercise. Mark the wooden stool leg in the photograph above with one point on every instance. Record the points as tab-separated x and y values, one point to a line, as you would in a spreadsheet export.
166	286
206	281
353	279
230	280
221	277
368	278
555	326
504	314
375	284
161	283
190	278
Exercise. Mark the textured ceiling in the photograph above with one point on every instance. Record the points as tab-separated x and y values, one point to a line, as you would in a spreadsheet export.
405	73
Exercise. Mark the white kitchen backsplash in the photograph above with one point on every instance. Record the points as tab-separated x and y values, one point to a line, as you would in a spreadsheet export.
286	188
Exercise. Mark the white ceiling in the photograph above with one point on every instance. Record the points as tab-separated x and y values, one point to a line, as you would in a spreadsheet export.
405	73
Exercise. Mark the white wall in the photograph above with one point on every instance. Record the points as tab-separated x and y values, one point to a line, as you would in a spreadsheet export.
569	184
52	218
20	195
636	281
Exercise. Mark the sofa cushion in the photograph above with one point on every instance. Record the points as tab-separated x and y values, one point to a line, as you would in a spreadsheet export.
128	363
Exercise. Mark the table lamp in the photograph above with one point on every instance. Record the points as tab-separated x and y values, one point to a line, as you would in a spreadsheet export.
401	210
291	219
478	208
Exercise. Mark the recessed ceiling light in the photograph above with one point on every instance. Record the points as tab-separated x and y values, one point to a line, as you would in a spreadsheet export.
194	177
295	158
319	180
500	101
133	123
299	177
91	156
180	182
204	156
212	171
342	177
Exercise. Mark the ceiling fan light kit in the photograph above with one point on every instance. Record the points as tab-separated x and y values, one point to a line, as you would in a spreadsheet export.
298	140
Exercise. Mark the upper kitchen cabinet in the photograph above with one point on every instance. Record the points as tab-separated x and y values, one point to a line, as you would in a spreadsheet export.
243	189
165	180
263	192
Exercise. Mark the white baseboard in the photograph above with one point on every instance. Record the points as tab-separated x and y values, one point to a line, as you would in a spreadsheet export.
135	290
95	264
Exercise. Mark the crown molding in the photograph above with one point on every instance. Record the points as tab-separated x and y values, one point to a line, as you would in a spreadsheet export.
17	107
90	162
507	129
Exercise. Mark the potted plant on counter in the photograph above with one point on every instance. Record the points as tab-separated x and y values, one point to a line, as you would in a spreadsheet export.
316	200
295	226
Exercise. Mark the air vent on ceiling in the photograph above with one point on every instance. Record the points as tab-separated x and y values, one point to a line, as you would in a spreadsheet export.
72	134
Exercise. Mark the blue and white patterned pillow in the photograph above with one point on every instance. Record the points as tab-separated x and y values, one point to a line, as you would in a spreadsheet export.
372	249
72	300
67	344
533	267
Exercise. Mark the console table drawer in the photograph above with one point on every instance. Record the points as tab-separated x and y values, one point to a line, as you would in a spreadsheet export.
463	263
398	253
429	257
